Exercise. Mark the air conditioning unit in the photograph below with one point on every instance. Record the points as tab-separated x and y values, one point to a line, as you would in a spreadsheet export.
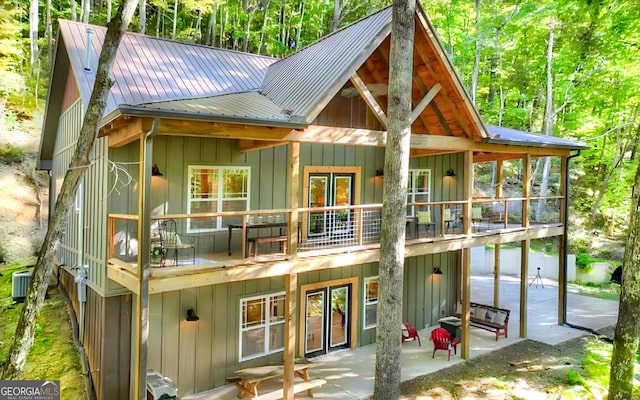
20	285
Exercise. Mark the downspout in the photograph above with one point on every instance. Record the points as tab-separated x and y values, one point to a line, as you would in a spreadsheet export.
566	234
144	237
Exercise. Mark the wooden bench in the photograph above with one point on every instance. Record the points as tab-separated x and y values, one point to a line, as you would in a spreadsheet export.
489	318
248	379
254	243
297	388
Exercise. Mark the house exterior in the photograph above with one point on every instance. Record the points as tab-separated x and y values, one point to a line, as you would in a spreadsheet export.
247	191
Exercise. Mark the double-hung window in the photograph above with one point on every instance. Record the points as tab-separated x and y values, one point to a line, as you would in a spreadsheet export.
370	301
214	189
418	189
261	325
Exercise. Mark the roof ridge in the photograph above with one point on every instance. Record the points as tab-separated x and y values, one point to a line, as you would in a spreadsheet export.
208	96
128	33
326	37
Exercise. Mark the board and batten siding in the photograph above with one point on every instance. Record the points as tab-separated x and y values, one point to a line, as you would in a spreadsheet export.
84	241
106	338
201	355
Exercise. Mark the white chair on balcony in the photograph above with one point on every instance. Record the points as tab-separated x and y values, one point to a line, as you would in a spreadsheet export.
170	242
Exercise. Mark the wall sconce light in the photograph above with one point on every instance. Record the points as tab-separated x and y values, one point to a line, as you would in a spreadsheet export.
155	171
437	270
379	172
451	172
191	315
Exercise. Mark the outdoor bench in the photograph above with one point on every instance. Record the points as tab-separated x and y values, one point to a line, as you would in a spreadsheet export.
489	318
254	243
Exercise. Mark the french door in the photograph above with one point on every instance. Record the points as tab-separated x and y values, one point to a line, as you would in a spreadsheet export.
329	190
327	316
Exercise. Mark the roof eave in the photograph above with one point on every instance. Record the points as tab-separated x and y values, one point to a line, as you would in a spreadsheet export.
520	143
135	111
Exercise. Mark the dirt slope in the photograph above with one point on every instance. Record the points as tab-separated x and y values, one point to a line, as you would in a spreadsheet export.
22	219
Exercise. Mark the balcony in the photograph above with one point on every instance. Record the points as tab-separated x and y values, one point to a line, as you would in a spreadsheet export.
233	239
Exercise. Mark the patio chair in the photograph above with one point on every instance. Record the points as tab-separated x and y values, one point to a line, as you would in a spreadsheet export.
476	216
409	332
170	241
442	341
423	218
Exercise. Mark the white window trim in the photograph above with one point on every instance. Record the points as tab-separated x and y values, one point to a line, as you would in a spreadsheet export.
369	303
267	326
220	200
411	192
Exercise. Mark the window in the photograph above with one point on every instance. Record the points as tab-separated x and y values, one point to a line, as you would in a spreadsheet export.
370	301
213	190
418	188
261	325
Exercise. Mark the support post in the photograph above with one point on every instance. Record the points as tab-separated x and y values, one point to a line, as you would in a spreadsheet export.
524	287
467	192
141	325
293	194
466	299
496	255
562	259
291	287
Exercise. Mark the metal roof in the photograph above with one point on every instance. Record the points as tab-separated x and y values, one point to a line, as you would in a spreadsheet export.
150	69
500	135
305	81
247	107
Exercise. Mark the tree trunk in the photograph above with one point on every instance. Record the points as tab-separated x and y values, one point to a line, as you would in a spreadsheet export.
549	115
175	19
211	28
394	208
142	5
625	342
23	338
338	6
49	33
74	12
476	61
86	10
265	19
33	33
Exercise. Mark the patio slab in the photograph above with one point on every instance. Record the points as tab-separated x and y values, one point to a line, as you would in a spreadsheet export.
350	374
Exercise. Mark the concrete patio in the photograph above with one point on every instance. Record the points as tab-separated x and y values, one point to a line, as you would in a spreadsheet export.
350	374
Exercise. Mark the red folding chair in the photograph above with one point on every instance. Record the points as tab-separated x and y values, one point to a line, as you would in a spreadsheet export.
409	332
442	341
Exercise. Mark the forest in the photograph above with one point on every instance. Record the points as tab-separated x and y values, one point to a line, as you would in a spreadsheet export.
566	68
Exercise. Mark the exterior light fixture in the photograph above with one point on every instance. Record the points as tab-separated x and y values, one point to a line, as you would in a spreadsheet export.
379	172
191	315
437	270
155	171
451	172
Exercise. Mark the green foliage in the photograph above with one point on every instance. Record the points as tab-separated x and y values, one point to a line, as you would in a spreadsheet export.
583	260
574	378
10	154
53	354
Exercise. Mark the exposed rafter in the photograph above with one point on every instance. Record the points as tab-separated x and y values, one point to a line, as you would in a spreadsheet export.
368	97
431	94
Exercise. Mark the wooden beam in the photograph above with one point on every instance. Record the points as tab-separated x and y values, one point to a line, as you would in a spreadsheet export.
245	146
126	134
122	276
176	127
346	136
434	44
293	194
368	98
524	286
496	256
425	101
427	152
526	188
466	300
291	288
